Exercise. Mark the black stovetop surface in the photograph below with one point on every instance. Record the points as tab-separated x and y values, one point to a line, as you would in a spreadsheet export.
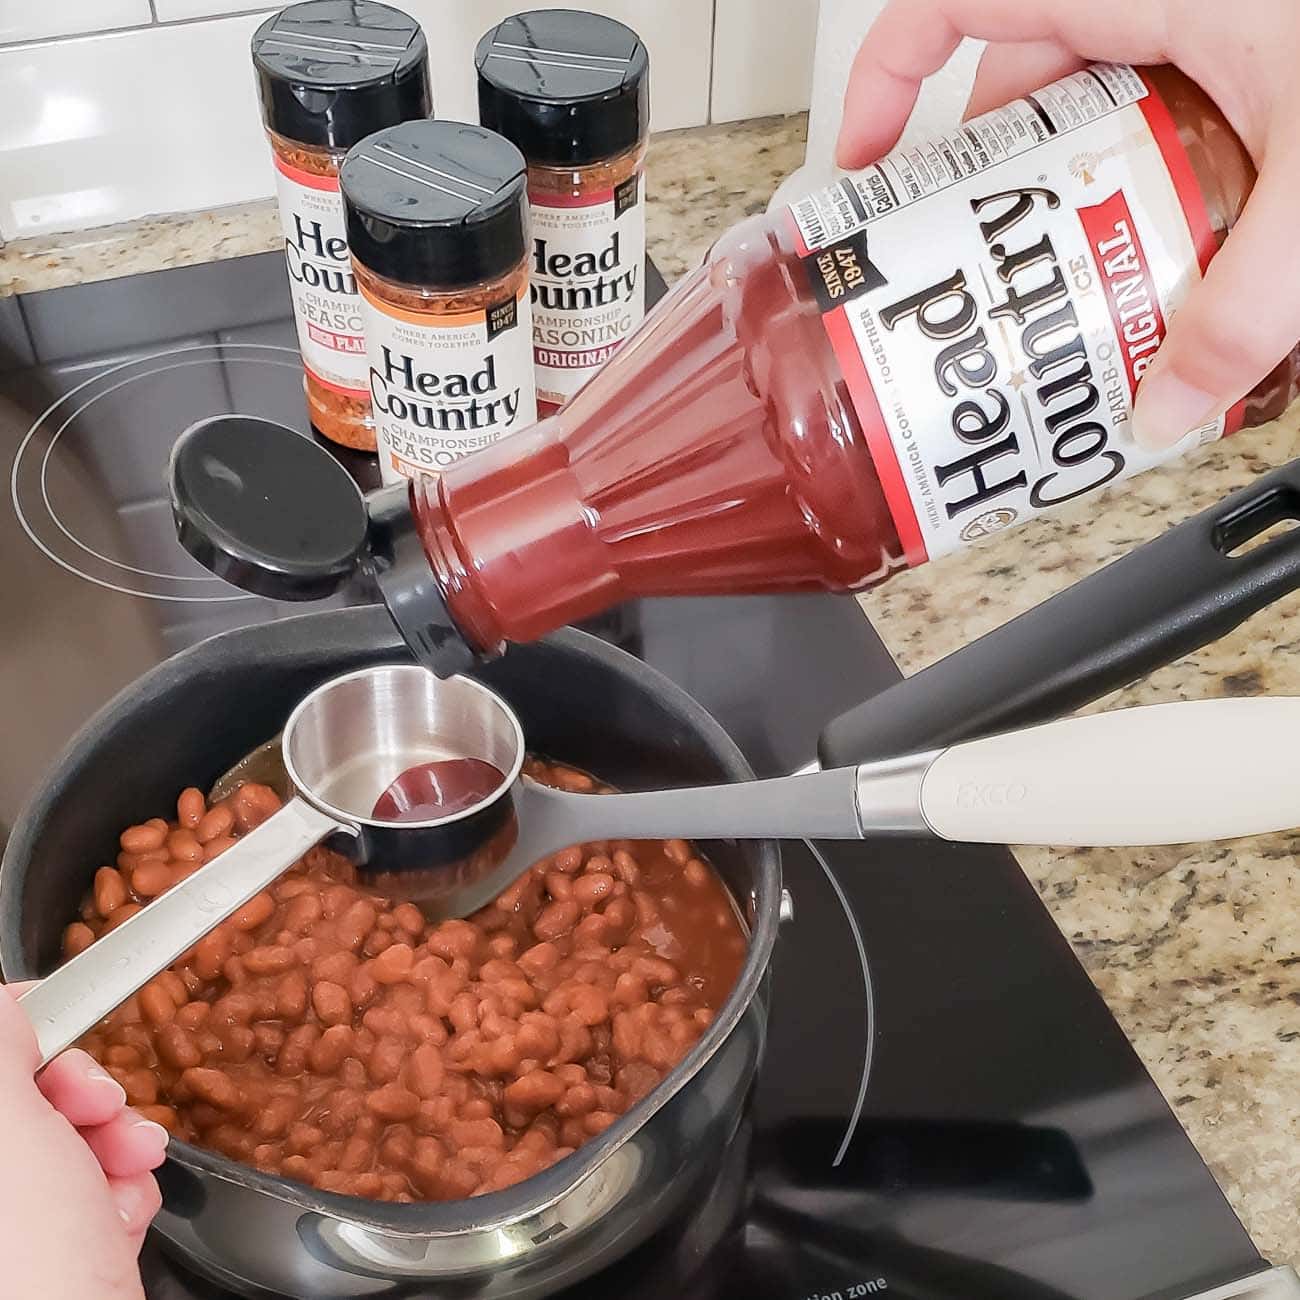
946	1109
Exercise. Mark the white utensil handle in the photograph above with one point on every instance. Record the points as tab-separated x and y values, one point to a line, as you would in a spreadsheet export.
1163	774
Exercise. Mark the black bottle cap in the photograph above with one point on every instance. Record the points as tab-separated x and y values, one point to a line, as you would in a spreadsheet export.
436	204
265	508
331	72
569	88
274	513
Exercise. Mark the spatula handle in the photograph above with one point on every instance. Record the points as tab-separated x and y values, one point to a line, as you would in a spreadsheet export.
1163	774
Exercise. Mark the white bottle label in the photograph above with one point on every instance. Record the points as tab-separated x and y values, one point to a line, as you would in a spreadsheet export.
993	298
588	283
326	305
444	386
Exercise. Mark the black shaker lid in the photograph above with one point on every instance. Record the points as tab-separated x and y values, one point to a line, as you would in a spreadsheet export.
443	204
272	512
569	88
331	72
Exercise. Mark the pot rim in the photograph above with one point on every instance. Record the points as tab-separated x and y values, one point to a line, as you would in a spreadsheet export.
492	1210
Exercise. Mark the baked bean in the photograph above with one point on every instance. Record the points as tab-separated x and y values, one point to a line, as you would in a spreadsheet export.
393	1102
151	879
182	846
77	938
213	1087
394	964
331	1003
356	923
121	914
592	888
385	1061
163	1115
627	868
216	822
217	845
193	1014
270	960
556	919
293	1056
362	986
677	851
176	1046
253	803
569	860
332	1048
110	891
140	839
377	941
424	1071
257	911
237	1042
190	807
156	1004
696	874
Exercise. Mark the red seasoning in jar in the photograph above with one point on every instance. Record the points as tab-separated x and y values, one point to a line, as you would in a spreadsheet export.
571	90
437	219
330	73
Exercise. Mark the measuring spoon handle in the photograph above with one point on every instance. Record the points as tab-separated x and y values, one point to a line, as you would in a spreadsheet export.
65	1004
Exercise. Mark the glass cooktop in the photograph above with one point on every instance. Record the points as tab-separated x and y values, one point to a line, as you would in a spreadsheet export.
946	1110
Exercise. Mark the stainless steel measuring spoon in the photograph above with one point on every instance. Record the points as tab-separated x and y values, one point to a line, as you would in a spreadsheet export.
1156	775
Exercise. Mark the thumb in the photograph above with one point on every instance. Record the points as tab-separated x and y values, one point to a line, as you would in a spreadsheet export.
1235	326
19	1054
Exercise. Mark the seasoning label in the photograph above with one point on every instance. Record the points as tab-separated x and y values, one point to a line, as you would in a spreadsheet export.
442	386
994	297
588	283
326	305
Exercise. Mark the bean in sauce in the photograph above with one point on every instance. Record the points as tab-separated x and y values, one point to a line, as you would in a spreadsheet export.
336	1037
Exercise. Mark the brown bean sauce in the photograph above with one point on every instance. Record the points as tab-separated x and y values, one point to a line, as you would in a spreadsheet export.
333	1036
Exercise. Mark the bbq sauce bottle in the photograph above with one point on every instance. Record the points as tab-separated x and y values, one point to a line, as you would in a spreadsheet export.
919	356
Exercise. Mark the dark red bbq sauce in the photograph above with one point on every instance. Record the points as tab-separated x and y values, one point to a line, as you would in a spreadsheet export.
437	789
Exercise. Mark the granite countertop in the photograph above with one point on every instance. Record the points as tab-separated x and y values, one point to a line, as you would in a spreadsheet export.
1196	949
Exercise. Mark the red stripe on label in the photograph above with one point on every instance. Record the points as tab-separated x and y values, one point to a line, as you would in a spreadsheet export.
352	343
360	393
1234	419
1126	280
877	436
1165	133
307	179
592	200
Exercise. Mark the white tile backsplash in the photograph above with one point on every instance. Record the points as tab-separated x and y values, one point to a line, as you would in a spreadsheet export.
676	33
31	20
112	125
762	57
170	11
105	129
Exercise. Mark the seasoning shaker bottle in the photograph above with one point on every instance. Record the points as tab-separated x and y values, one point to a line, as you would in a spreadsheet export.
437	220
330	73
572	91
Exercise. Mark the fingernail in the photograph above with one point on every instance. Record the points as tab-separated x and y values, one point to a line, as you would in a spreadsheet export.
1168	409
96	1075
160	1134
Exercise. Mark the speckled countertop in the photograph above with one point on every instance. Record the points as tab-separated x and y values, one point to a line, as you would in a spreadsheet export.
1196	949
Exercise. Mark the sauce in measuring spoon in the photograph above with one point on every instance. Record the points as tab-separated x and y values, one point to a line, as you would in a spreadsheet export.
437	789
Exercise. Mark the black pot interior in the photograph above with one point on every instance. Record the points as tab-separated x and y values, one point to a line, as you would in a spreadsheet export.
190	719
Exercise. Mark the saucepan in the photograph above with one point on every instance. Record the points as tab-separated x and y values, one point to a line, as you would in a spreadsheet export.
191	718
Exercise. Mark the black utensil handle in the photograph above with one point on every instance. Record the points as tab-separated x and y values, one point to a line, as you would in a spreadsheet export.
1156	604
